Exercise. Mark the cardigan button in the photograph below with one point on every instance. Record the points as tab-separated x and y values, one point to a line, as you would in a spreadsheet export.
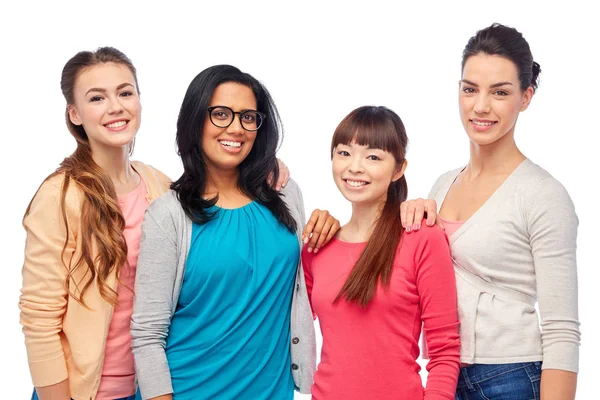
294	366
295	340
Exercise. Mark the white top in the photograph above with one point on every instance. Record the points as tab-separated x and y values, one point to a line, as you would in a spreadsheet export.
518	248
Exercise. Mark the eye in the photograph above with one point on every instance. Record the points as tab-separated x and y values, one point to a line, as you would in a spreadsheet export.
249	117
468	90
343	153
126	94
96	98
373	157
221	114
501	93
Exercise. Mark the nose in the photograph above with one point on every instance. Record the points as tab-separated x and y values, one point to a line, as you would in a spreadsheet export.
482	104
356	166
236	127
114	105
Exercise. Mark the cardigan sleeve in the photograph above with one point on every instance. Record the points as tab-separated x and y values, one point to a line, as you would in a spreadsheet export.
552	226
44	294
153	305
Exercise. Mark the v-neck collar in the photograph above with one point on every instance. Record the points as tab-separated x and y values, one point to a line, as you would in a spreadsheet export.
441	197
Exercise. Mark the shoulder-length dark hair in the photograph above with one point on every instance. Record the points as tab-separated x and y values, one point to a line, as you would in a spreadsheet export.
254	170
377	128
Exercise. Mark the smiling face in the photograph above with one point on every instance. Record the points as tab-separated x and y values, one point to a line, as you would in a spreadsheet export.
490	99
226	148
107	105
363	174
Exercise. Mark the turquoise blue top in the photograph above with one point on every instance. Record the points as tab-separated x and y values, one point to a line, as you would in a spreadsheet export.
230	335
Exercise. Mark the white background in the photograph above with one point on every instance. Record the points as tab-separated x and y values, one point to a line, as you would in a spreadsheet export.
319	60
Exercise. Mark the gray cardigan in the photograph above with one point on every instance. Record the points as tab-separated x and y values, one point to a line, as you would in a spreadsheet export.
166	236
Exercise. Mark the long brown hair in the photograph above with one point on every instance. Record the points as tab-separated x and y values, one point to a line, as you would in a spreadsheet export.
377	128
102	222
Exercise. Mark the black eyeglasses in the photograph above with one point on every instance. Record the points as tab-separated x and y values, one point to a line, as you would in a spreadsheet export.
222	117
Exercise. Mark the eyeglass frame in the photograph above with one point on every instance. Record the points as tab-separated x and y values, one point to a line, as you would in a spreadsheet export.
239	113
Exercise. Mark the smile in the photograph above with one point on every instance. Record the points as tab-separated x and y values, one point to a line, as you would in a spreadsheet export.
231	144
117	125
482	125
354	184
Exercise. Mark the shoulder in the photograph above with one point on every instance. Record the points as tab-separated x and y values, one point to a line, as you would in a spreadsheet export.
427	240
166	205
426	235
150	173
539	187
292	195
444	179
291	189
51	191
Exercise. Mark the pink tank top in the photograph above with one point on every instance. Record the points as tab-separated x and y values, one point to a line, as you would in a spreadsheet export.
118	373
451	226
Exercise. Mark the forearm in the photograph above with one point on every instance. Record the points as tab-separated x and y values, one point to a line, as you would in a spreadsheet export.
558	385
59	391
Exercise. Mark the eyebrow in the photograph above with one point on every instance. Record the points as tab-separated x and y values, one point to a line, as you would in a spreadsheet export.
121	86
495	85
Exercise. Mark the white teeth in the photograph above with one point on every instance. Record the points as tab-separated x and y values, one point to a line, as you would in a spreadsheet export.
116	124
481	123
230	144
356	183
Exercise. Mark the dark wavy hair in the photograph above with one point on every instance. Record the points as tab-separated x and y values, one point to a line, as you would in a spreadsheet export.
377	128
507	42
253	171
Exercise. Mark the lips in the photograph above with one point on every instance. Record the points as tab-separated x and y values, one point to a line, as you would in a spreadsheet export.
482	124
355	183
117	125
230	143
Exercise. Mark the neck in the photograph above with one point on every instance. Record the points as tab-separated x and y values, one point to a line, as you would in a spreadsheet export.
499	157
362	222
220	181
115	163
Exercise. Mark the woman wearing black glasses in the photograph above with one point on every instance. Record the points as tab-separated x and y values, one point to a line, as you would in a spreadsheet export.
221	308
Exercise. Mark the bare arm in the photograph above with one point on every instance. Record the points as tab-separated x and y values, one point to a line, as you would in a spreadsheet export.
58	391
558	385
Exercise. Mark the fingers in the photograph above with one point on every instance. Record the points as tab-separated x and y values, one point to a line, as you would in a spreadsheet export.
284	175
418	215
308	228
317	229
431	210
334	228
330	227
270	179
410	215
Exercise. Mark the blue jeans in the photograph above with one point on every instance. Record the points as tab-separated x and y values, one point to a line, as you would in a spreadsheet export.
520	381
34	396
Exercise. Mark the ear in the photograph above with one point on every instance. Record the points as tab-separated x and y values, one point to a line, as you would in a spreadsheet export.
400	171
74	115
527	96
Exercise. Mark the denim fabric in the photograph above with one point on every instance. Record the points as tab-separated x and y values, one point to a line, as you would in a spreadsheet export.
520	381
34	396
